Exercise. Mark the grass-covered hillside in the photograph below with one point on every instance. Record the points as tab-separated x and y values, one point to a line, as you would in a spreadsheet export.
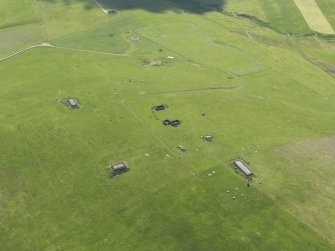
250	73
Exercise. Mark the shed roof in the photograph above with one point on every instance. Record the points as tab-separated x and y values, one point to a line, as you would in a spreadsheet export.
119	166
243	167
72	102
160	107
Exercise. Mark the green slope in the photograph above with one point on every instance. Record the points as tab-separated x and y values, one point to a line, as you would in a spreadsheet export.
263	100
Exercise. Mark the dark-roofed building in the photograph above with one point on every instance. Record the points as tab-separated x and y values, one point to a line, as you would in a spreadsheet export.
118	168
160	107
243	167
111	12
176	122
166	122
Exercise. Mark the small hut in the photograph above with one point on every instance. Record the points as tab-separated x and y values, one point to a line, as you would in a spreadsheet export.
72	102
208	137
111	12
243	167
118	168
175	122
166	122
181	148
159	107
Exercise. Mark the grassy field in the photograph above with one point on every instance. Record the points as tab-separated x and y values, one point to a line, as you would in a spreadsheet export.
264	103
61	18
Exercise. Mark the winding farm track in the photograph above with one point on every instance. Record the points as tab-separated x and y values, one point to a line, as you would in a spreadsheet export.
25	49
60	47
313	16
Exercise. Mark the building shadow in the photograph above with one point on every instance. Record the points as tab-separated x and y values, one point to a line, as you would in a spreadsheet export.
192	6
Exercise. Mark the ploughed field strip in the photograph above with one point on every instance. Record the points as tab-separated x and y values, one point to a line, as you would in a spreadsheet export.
314	17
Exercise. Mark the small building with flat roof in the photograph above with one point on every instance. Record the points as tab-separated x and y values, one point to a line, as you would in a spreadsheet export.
175	122
243	167
166	122
160	107
111	12
118	168
72	102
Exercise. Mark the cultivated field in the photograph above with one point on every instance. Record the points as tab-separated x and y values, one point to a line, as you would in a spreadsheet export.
257	90
314	16
327	8
284	16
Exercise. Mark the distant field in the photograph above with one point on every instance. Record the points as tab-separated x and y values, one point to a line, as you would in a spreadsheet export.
263	102
108	37
314	16
183	37
250	7
282	15
17	12
61	18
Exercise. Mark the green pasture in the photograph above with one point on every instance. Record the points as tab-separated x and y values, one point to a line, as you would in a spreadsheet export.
263	102
56	159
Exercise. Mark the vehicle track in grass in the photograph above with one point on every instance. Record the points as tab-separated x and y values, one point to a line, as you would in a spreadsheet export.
25	49
161	141
47	45
228	88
